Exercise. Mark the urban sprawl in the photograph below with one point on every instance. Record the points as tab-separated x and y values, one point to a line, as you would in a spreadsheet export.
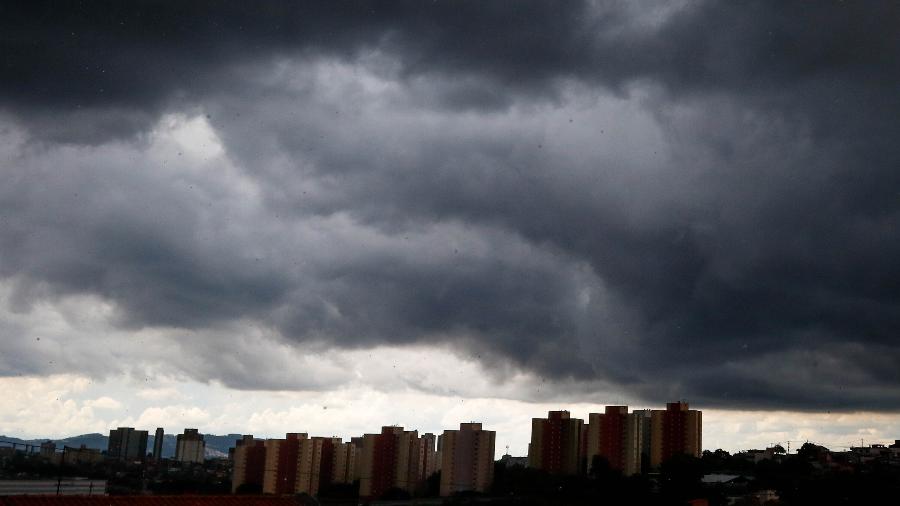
395	463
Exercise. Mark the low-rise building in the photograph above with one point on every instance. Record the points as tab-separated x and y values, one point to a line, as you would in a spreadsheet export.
510	461
81	455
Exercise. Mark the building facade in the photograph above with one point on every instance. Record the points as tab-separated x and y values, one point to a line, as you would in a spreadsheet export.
344	463
126	443
81	455
389	461
438	455
249	464
190	447
158	437
428	463
281	471
48	450
467	459
329	453
644	417
616	436
677	430
358	443
556	444
309	465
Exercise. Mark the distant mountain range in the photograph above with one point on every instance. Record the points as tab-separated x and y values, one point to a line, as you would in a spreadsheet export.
216	446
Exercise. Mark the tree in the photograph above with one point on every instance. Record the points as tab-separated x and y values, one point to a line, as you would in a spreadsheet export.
680	478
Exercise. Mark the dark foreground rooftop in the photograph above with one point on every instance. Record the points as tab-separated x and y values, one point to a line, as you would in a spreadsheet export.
150	500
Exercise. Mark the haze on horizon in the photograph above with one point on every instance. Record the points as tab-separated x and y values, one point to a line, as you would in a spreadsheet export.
329	217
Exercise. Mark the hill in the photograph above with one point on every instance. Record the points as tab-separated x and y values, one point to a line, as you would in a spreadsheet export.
216	446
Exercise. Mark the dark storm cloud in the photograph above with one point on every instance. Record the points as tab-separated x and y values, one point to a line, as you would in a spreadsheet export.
748	261
79	220
139	54
125	59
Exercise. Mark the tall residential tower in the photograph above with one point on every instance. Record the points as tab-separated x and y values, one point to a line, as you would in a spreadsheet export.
468	459
190	447
556	443
128	444
673	431
616	436
158	437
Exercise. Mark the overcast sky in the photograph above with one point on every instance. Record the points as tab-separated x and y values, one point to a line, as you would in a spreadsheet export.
326	217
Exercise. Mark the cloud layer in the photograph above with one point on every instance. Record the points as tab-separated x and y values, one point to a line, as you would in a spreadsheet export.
685	200
65	405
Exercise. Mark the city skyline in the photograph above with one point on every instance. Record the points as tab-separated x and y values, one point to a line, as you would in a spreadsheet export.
455	461
316	215
520	426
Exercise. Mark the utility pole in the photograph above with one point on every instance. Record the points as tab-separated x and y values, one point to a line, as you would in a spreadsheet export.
62	461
